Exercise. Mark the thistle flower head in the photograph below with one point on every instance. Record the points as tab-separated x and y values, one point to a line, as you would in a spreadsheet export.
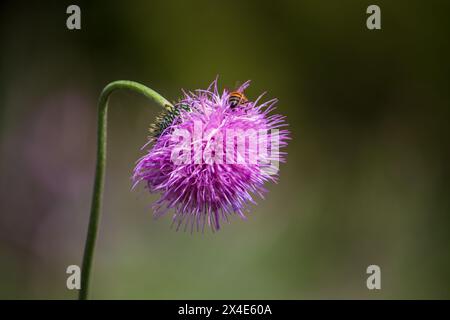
211	154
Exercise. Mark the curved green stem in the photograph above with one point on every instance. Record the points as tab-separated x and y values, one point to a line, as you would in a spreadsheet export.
100	171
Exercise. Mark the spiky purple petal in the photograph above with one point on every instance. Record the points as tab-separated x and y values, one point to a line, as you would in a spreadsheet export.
206	194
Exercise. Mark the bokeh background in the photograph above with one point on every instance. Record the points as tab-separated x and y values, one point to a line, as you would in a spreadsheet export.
367	177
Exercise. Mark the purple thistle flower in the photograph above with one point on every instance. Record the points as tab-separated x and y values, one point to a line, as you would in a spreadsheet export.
204	161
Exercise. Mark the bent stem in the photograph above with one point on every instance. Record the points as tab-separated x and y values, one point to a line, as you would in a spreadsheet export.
100	171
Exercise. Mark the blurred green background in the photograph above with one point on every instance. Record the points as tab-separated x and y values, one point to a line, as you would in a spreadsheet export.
367	177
